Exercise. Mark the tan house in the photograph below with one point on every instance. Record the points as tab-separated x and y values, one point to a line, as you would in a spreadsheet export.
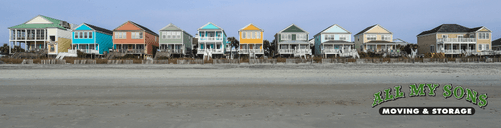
375	39
454	39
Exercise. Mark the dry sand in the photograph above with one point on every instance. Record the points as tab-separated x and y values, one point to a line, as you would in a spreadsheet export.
235	96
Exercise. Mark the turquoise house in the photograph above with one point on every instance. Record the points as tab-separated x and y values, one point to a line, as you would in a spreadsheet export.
91	39
211	38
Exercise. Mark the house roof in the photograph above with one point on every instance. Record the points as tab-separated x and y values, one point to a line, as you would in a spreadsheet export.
210	23
338	42
450	28
250	25
171	26
293	42
369	28
139	26
106	31
55	24
379	41
496	42
332	26
292	26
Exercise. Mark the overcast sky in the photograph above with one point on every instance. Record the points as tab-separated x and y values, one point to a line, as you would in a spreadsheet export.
405	18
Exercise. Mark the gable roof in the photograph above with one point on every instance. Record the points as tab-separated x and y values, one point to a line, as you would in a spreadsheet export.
450	28
331	27
212	24
103	30
139	26
171	26
250	25
369	28
496	42
292	25
55	23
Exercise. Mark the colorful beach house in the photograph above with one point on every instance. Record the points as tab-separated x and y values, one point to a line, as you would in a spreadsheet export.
91	39
375	39
211	38
175	40
132	38
292	41
331	40
251	40
454	39
42	33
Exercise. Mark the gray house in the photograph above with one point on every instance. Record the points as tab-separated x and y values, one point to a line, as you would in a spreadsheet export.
175	40
292	41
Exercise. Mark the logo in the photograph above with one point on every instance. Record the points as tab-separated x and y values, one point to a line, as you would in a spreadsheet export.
422	90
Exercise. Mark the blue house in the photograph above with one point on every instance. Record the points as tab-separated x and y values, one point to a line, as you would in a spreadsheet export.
211	37
91	39
331	40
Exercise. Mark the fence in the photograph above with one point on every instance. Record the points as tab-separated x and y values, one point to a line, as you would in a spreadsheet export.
155	62
120	62
84	62
53	61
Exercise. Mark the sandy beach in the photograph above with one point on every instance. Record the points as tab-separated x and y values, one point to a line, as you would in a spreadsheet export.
243	96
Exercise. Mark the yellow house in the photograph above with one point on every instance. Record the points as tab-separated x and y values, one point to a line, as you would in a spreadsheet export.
251	40
375	39
454	39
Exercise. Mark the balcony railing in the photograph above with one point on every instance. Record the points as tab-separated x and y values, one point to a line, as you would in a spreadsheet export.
91	51
173	51
456	40
210	38
330	51
130	51
456	51
213	51
293	51
247	51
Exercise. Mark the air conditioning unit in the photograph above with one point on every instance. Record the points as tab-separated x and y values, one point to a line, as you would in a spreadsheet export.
65	24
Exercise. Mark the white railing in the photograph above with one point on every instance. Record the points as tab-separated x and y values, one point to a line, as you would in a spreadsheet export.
210	38
285	51
305	51
456	51
330	51
214	51
175	51
92	51
446	40
293	51
247	51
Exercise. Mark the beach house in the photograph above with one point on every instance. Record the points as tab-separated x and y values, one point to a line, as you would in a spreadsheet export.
454	39
132	38
175	40
211	38
251	40
375	39
331	40
91	39
42	33
292	41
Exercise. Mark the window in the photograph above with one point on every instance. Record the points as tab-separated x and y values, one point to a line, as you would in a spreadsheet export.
178	35
460	36
253	35
258	35
483	47
371	37
137	35
342	37
164	35
432	48
76	35
385	37
80	35
483	35
85	35
243	35
247	34
120	35
286	36
445	36
90	35
301	37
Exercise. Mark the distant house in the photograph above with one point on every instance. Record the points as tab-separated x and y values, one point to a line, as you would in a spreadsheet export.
92	39
251	40
374	39
454	39
292	41
211	37
42	32
175	40
132	38
400	42
496	44
331	40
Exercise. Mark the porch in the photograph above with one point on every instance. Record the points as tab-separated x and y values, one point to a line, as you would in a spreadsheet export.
293	49
86	48
456	48
213	47
250	48
335	47
172	48
33	39
380	47
130	48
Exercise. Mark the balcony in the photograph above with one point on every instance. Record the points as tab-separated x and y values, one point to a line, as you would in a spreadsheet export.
173	51
456	51
213	51
89	51
247	51
456	40
210	38
293	51
330	51
130	51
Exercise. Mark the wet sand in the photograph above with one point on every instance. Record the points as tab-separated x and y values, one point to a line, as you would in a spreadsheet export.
246	96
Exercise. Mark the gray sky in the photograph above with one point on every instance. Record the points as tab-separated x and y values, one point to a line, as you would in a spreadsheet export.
405	18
